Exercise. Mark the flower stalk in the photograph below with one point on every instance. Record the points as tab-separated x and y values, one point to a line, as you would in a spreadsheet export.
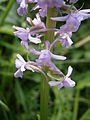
44	92
51	12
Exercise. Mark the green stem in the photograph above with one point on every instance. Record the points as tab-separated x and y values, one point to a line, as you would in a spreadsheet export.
44	85
50	24
76	103
6	31
6	12
44	99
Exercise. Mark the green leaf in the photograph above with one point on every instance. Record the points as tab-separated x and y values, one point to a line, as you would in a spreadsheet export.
3	1
4	105
86	115
7	29
38	116
20	95
85	82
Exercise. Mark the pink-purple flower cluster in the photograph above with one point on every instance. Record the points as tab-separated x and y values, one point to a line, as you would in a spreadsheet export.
34	34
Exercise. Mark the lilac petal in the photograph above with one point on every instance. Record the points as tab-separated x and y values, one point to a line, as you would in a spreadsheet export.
34	40
53	83
58	57
72	25
32	50
29	66
43	11
18	63
37	20
23	68
18	28
60	18
73	1
21	33
70	69
25	44
47	44
41	62
18	73
53	43
19	1
83	14
32	1
60	86
68	83
20	58
23	3
29	20
22	11
45	55
45	4
70	42
35	7
38	28
63	42
85	10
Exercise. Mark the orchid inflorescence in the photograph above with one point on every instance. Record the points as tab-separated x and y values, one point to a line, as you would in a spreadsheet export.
33	34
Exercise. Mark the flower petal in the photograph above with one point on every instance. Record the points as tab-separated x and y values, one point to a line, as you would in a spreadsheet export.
18	73
25	44
85	10
18	63
70	42
60	86
29	67
58	57
60	18
21	33
20	58
70	69
32	50
68	83
23	68
73	1
22	11
53	83
34	40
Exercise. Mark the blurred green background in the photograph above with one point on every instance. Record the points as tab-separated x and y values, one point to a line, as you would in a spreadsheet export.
19	98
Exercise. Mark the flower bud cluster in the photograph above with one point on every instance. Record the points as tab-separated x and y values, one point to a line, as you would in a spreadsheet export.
35	32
